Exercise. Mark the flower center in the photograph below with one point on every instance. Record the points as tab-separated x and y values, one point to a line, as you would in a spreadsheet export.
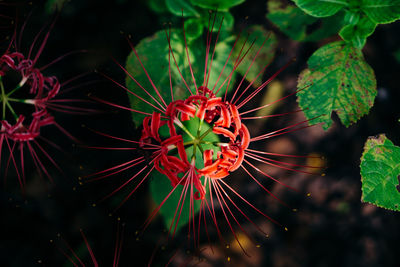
24	91
204	134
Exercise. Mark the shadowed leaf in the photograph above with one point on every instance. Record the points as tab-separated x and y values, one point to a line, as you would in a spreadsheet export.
321	8
382	11
292	21
220	5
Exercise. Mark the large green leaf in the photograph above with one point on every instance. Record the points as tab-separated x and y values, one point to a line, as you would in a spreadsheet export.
321	8
337	79
264	57
292	21
357	33
193	28
381	11
153	52
220	5
380	172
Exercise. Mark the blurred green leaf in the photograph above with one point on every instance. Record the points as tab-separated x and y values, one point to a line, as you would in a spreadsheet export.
357	34
220	5
265	56
382	11
321	8
292	21
160	187
380	172
176	7
193	28
337	79
227	24
328	27
154	52
157	6
352	17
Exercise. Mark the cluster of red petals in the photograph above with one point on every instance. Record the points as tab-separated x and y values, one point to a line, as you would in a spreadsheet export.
224	119
42	89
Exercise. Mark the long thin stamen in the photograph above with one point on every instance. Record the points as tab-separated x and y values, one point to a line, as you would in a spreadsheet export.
215	46
269	104
188	57
261	87
248	69
263	187
145	71
227	219
138	84
89	249
176	64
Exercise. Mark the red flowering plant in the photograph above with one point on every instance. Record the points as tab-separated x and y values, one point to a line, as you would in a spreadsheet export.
28	98
194	127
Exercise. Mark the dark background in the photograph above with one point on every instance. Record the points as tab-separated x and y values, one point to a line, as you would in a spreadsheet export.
331	228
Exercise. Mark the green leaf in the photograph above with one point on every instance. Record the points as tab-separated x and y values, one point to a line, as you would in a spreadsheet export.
160	187
153	52
328	27
157	6
193	28
321	8
352	17
382	11
380	172
227	24
220	5
176	7
337	79
264	57
292	21
357	34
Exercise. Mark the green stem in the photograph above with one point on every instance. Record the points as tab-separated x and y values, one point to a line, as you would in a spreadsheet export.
25	101
194	152
3	98
185	129
189	143
14	90
12	111
205	133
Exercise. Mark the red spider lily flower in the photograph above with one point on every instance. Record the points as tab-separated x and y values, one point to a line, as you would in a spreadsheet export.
175	155
27	106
